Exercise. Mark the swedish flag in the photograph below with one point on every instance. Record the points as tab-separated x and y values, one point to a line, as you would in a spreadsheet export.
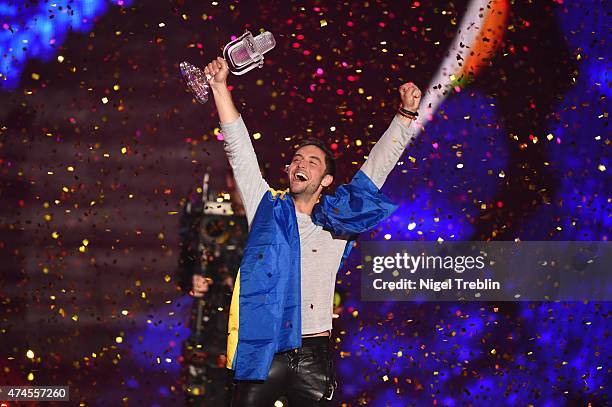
265	313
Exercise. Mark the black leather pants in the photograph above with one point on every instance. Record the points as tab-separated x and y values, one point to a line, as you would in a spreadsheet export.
304	376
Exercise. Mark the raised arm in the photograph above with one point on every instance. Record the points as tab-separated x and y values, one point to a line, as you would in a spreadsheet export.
237	144
391	145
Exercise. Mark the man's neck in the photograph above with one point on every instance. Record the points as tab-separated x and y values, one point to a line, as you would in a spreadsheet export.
304	204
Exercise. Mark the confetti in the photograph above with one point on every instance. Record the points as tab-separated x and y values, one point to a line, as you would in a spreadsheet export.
518	150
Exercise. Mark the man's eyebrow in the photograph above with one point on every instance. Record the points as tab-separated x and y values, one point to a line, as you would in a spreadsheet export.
312	156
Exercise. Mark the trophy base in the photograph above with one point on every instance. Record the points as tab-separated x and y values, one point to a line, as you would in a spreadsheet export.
196	81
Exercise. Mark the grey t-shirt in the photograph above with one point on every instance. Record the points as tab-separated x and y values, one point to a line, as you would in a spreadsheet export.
321	251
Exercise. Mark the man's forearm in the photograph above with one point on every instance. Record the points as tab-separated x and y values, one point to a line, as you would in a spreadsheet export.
225	106
387	151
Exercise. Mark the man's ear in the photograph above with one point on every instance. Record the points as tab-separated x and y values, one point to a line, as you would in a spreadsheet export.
327	180
286	168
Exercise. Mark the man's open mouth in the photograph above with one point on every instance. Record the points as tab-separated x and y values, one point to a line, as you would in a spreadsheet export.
300	176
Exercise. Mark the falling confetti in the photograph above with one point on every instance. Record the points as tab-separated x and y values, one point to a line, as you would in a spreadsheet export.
100	146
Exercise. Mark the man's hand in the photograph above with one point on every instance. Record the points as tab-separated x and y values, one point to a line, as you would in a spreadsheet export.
411	96
218	70
199	286
411	99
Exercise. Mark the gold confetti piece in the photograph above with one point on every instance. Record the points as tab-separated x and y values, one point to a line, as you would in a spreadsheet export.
105	100
75	317
161	25
167	278
60	59
30	354
35	76
30	376
601	167
55	235
257	136
385	378
123	150
323	23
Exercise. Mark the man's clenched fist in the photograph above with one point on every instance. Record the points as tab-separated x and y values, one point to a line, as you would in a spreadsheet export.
411	96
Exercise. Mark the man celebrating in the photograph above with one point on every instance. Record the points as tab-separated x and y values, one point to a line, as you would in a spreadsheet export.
281	311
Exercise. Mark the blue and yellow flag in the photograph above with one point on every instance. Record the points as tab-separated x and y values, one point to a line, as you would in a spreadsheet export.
265	313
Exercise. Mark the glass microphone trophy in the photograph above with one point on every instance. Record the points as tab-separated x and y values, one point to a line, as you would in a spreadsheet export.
242	55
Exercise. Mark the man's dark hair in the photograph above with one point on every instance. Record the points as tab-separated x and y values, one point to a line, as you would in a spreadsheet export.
330	162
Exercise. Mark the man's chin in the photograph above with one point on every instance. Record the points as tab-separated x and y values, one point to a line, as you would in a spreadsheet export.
297	189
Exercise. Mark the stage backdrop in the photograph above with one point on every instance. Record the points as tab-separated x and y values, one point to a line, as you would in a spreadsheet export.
100	144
